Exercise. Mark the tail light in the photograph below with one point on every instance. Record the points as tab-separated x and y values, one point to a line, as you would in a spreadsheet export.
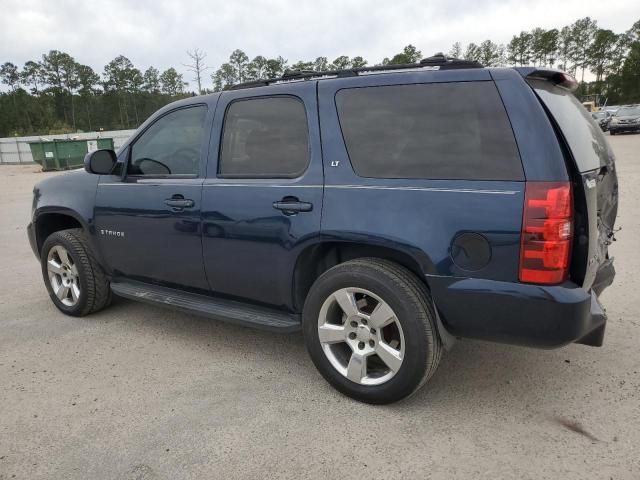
547	232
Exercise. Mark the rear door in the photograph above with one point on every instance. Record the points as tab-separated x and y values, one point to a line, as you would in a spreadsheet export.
593	161
262	199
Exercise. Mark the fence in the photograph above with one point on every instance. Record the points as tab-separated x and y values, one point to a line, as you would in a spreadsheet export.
16	150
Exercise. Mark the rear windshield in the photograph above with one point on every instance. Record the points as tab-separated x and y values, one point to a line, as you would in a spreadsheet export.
582	134
434	131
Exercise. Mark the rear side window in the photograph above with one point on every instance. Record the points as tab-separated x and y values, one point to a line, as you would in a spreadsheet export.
582	133
435	131
265	137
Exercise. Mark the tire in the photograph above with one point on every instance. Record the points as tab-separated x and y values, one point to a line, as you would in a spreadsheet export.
412	334
611	132
77	270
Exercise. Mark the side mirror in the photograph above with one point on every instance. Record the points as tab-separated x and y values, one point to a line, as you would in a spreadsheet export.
100	162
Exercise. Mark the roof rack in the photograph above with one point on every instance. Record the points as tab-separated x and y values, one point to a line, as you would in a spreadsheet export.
438	61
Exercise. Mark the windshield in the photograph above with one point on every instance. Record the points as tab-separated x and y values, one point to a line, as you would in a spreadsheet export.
627	111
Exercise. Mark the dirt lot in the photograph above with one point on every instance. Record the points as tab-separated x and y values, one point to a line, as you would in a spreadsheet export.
147	393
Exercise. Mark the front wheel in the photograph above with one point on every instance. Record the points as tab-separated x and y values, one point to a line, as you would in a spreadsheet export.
74	279
370	329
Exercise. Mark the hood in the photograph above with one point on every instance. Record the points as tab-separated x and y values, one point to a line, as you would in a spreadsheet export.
75	189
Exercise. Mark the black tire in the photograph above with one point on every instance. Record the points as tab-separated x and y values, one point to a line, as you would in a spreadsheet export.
611	132
95	291
410	301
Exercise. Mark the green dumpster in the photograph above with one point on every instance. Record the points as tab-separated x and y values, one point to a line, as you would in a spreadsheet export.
66	154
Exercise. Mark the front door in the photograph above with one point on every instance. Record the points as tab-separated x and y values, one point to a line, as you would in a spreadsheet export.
262	199
148	220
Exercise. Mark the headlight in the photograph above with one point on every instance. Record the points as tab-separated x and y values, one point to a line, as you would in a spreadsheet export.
614	120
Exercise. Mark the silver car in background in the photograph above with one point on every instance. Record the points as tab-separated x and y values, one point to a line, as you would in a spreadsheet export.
626	119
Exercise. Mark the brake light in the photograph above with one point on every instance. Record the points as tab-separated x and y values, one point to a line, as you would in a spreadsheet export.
568	81
556	76
547	232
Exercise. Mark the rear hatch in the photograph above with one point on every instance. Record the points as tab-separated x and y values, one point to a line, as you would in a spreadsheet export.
591	164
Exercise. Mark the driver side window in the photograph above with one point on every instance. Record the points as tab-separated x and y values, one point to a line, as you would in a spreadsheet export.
171	146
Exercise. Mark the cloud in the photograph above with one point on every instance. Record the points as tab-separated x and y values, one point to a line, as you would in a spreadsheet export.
159	32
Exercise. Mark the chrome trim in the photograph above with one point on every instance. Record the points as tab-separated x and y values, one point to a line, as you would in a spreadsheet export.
355	187
261	185
427	189
150	183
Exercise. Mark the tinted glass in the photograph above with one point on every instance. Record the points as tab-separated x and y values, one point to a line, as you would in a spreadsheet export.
171	146
265	137
582	133
435	131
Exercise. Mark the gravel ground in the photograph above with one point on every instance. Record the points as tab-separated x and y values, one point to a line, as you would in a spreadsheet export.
145	393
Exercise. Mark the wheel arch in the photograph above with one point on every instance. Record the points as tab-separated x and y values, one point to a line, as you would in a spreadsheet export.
315	259
49	221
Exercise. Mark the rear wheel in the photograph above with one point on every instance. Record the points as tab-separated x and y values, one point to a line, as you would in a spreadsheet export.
74	279
369	326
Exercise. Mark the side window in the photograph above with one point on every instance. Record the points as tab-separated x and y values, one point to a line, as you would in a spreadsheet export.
171	146
442	131
265	138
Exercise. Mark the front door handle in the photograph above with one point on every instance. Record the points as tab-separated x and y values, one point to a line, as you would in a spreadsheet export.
178	202
291	206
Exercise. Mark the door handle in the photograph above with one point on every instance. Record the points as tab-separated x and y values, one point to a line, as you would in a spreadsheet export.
292	206
178	202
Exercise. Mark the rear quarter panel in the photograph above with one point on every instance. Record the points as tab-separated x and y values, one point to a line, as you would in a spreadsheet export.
423	218
419	217
540	152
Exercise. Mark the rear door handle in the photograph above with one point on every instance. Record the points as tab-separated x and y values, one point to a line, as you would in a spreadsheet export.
179	202
289	207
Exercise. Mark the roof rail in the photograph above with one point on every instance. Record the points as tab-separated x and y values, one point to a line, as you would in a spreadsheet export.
449	63
436	62
297	72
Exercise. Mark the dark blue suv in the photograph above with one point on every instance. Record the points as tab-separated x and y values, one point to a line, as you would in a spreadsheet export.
383	211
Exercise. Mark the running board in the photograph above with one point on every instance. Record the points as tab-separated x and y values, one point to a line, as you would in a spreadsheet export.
220	309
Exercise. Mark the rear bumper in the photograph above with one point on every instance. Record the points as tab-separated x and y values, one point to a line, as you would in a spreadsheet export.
519	314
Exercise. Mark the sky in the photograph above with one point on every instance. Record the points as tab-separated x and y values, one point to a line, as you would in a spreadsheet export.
159	32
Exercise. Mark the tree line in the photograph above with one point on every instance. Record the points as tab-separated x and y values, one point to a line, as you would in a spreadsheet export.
56	94
613	58
59	95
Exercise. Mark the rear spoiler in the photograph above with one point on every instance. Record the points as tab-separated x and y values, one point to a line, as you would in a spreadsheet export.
557	77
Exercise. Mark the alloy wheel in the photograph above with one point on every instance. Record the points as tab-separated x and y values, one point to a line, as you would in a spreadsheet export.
63	276
361	336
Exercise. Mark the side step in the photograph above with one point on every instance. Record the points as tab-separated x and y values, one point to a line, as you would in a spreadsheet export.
220	309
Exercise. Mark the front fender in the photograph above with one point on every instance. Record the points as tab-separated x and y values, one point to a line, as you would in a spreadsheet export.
73	191
71	194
